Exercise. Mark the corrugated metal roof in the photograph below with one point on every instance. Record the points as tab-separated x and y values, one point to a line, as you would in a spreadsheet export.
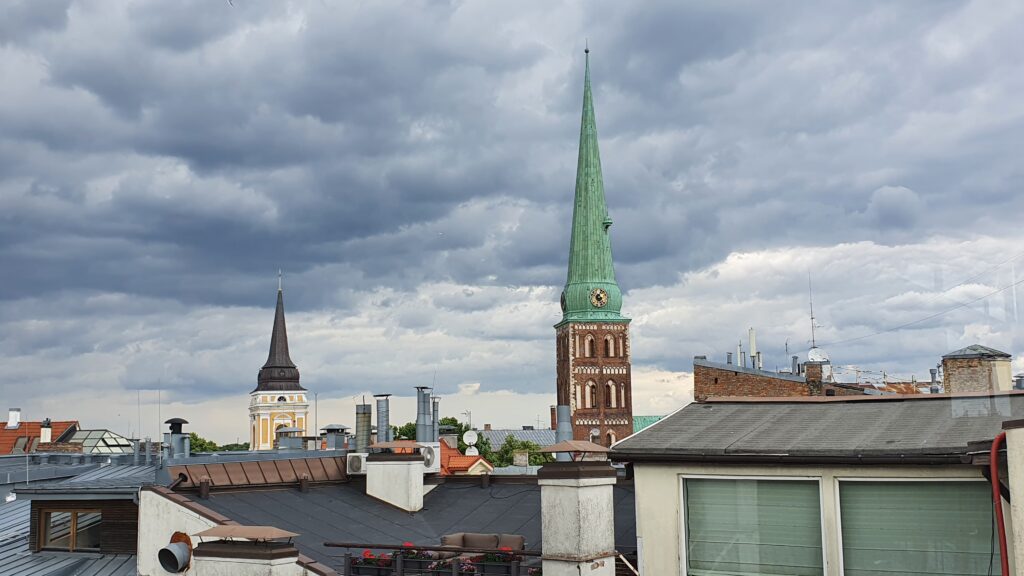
542	437
105	478
860	426
15	558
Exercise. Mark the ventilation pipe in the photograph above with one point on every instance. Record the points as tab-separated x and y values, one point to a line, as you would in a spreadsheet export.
178	445
383	417
435	427
363	427
423	432
743	359
934	387
757	362
564	431
796	365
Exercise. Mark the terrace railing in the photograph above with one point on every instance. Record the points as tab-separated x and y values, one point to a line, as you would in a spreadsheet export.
406	560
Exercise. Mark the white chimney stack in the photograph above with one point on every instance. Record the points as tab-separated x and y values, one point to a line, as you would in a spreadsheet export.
45	432
13	418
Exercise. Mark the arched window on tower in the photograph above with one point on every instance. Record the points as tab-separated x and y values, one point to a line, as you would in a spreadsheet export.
591	396
611	438
611	395
622	347
588	346
609	346
622	396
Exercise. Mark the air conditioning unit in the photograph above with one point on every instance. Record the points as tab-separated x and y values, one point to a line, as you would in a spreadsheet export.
431	457
355	464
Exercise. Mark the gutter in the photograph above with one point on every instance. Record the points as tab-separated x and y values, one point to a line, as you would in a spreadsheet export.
901	459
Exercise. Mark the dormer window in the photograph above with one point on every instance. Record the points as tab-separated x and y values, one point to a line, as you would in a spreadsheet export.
71	530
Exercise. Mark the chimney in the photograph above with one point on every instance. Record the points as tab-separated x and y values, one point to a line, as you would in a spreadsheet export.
45	432
563	432
13	418
554	417
334	435
1018	382
384	433
396	479
796	365
423	425
759	365
178	445
728	357
435	427
574	545
743	359
487	426
363	427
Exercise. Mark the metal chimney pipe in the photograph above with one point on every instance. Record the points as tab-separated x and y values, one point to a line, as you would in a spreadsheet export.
563	432
759	365
383	418
363	427
146	449
436	425
135	453
796	365
743	359
422	414
728	357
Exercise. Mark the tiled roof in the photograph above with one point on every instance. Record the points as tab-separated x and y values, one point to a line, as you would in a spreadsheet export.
15	557
924	427
453	461
30	430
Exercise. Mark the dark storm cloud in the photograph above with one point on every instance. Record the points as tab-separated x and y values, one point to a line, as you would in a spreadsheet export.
413	164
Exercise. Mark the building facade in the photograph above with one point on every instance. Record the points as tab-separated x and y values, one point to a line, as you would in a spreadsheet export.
278	400
592	339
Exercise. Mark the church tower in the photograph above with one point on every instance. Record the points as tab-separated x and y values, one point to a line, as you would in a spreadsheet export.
278	401
592	340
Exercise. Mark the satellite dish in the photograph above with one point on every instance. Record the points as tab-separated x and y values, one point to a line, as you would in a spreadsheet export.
470	438
428	456
817	355
472	451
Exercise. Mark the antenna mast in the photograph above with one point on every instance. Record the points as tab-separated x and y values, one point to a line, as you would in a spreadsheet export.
810	300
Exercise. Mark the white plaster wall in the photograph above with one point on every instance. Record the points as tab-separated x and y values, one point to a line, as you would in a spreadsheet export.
248	567
399	483
159	518
659	499
577	521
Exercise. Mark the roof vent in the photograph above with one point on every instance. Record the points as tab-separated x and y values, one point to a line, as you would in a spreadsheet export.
13	418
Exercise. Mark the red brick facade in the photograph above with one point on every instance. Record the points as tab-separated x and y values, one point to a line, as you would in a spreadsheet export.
730	380
594	379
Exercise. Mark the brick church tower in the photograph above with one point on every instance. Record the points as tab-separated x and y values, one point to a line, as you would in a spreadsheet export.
592	340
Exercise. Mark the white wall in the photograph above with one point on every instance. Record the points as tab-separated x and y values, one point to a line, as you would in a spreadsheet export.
398	482
659	500
159	518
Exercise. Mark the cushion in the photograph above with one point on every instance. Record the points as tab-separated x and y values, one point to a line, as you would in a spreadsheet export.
452	539
513	541
471	540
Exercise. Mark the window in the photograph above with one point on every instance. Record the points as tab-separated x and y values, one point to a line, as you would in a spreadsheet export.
610	394
752	527
591	399
611	438
588	346
72	530
609	346
916	528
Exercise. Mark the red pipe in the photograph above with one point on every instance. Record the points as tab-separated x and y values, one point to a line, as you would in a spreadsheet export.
997	498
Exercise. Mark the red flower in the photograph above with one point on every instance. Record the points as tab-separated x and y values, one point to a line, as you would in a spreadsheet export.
505	549
367	554
408	544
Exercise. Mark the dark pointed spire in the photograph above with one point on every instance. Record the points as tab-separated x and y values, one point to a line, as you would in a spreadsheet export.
279	372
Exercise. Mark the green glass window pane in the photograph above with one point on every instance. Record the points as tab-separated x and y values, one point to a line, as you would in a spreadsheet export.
917	528
753	527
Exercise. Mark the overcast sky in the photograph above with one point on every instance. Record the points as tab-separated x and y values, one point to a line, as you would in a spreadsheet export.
410	166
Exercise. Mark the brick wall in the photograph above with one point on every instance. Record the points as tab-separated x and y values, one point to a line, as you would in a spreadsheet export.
710	381
59	447
969	375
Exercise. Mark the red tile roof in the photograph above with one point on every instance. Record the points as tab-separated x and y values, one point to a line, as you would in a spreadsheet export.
8	438
453	461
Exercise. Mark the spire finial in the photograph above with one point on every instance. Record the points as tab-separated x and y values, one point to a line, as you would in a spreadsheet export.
586	45
279	279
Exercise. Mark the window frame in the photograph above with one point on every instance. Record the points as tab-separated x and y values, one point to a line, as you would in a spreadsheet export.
44	525
683	521
838	480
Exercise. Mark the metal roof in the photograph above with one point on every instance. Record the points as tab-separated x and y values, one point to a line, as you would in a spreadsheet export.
109	479
860	428
641	422
15	558
344	512
977	351
542	437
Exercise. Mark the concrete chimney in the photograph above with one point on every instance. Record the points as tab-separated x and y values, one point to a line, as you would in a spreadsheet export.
396	479
13	418
45	432
384	433
363	417
576	543
796	365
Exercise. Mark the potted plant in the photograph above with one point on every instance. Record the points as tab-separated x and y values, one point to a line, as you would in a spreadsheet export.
413	559
496	562
444	567
370	564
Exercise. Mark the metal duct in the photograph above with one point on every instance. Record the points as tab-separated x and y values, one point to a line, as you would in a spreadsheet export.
796	365
563	431
383	418
363	414
422	414
435	428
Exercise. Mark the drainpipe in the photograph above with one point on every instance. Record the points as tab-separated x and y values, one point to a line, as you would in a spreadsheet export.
997	499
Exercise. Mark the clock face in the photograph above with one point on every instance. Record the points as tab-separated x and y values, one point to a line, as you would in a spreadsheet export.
598	297
563	301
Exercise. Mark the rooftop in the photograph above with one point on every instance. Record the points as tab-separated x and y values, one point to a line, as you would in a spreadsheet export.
977	351
26	435
855	429
541	437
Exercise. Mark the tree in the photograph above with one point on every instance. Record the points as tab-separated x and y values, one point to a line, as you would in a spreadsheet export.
505	455
197	443
406	431
234	447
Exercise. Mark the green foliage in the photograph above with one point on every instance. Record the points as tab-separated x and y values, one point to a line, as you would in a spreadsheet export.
406	431
234	447
504	455
199	444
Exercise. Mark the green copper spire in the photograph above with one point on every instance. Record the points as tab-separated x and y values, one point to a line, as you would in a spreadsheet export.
591	292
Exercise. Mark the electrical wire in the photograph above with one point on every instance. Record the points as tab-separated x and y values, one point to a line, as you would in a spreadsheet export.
926	318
